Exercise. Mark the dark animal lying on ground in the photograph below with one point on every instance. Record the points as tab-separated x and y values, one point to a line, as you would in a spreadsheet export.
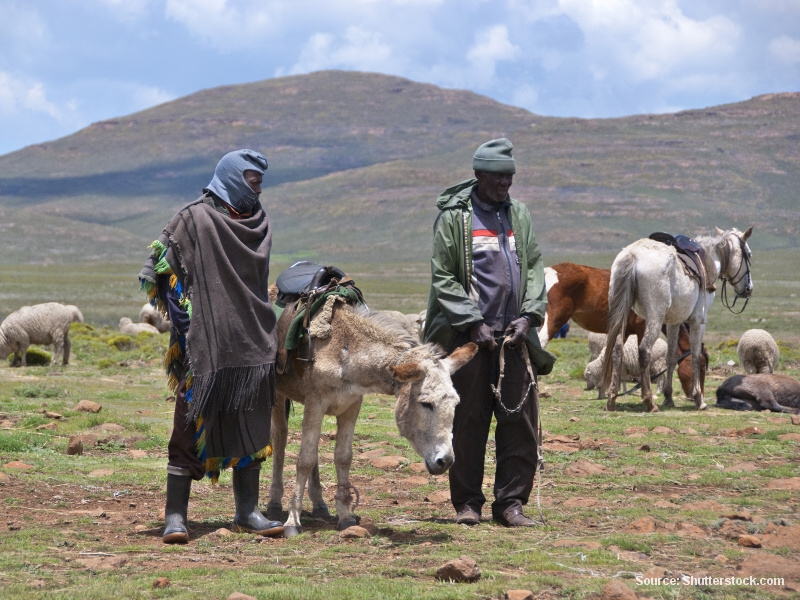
761	391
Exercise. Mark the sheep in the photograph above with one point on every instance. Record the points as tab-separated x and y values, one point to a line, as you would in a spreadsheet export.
758	352
630	365
150	315
46	323
128	327
597	342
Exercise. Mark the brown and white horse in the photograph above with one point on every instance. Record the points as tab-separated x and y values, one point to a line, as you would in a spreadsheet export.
580	293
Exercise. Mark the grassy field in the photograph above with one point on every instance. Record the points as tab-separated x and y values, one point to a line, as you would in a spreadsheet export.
624	495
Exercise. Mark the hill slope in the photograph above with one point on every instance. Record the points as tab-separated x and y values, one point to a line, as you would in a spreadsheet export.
357	160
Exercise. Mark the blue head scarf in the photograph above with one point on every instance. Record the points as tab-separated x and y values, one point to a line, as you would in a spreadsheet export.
229	183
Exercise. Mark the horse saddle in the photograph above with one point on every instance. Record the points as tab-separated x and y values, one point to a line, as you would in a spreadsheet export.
298	287
690	252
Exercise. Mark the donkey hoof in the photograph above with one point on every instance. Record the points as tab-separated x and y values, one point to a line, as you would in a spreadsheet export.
274	512
321	512
347	523
290	531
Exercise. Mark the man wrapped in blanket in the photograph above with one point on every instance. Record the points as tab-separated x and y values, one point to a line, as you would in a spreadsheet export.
208	273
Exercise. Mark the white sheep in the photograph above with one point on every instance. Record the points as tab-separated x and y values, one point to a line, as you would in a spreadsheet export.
630	365
150	315
128	327
597	342
44	324
758	352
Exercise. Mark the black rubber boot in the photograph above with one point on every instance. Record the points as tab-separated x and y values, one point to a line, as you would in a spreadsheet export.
178	488
248	518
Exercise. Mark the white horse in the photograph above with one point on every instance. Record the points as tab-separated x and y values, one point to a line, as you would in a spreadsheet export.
362	354
649	277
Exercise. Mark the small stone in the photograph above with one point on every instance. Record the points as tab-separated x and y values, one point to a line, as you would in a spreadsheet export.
644	448
75	446
52	415
721	558
572	420
460	570
48	426
789	437
790	483
518	595
222	532
749	541
438	496
110	427
18	464
240	596
87	406
388	462
161	582
137	453
663	430
642	525
795	419
616	590
354	532
37	583
4	479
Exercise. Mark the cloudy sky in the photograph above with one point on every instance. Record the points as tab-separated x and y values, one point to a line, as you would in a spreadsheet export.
67	63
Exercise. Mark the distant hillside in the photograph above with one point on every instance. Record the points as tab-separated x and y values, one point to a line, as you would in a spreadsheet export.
357	160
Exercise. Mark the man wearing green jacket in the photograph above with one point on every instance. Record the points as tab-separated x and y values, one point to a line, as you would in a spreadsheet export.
487	286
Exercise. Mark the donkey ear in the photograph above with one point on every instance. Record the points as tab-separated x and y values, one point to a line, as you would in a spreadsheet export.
747	233
407	372
718	231
460	356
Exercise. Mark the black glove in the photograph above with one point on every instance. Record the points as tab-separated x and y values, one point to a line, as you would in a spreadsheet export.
482	335
517	330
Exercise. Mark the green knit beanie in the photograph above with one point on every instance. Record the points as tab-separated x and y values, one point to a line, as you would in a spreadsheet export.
495	157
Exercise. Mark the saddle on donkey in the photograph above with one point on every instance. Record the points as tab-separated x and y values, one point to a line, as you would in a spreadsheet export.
690	252
303	290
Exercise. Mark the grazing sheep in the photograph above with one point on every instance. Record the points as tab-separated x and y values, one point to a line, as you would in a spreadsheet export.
760	391
597	342
630	365
46	323
150	315
128	327
758	352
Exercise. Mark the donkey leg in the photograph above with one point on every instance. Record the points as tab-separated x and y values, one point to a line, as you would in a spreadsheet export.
343	457
616	365
306	459
696	337
672	359
280	433
319	510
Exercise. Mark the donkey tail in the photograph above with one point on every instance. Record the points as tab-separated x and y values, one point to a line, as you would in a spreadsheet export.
622	292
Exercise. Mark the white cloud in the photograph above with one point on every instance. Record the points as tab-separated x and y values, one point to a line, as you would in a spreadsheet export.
126	10
19	96
786	49
225	24
357	49
491	45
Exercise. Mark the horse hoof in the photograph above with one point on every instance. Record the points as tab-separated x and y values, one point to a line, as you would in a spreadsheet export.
321	512
290	531
347	523
702	406
653	408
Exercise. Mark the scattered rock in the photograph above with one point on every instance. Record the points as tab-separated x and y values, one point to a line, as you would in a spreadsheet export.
663	430
438	496
749	541
665	504
4	478
579	502
635	429
518	595
460	570
18	465
161	582
101	473
49	426
52	415
240	596
764	565
372	453
743	466
87	406
103	563
388	462
789	437
740	516
795	419
616	590
137	453
732	530
585	468
574	420
418	467
791	483
354	532
577	544
642	525
689	530
75	446
782	537
222	532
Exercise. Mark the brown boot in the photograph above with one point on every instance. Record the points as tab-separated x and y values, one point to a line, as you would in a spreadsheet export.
514	517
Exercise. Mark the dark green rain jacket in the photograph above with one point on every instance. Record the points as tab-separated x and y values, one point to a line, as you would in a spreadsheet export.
450	308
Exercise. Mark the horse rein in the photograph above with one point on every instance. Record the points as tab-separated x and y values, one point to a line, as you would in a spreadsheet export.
735	280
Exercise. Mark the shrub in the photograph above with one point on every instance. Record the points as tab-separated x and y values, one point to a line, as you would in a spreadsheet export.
123	342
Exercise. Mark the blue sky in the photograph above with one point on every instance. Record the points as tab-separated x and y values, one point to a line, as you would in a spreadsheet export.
67	63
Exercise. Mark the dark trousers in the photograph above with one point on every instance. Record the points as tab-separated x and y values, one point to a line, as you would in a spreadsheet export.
515	434
182	448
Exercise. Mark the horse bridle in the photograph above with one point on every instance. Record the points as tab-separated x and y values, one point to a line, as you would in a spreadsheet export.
735	280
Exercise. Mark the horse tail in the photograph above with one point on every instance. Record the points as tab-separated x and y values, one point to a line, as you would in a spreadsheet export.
622	292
